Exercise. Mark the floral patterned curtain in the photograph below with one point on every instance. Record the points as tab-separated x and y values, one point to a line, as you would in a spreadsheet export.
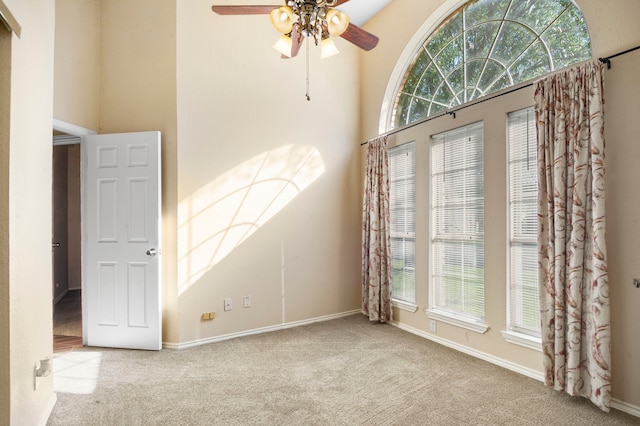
574	285
376	234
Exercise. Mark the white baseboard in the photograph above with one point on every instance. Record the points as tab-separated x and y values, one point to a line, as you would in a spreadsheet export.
634	410
536	375
59	298
199	342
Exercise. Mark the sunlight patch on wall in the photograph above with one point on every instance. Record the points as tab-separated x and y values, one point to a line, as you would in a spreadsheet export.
217	218
76	372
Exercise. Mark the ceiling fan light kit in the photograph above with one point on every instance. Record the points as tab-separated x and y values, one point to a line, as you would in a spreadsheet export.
328	48
337	22
284	45
300	19
308	18
282	19
311	18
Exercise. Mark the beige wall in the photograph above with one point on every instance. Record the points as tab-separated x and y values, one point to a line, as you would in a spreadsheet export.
66	223
268	182
29	223
622	92
74	218
77	64
235	121
612	29
138	93
115	72
60	222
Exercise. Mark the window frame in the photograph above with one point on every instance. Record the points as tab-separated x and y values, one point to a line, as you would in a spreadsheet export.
517	333
476	324
402	149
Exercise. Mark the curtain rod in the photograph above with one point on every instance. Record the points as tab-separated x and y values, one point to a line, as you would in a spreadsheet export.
606	60
451	112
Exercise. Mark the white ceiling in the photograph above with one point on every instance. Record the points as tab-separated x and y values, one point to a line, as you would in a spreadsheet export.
360	11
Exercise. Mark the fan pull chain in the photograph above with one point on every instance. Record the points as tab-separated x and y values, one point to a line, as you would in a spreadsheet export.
308	43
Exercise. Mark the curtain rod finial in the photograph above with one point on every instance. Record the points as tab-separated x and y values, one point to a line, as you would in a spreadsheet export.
606	61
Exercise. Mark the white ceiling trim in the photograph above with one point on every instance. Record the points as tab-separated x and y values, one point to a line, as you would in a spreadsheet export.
360	11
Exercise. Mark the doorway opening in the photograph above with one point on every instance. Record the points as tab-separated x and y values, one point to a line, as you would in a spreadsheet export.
108	244
66	244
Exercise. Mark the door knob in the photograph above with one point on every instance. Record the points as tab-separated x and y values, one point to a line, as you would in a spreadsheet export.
152	252
54	245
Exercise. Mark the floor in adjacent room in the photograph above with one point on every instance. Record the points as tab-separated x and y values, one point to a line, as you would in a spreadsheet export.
67	322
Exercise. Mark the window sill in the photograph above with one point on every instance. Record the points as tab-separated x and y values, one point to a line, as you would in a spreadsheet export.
522	339
405	306
458	321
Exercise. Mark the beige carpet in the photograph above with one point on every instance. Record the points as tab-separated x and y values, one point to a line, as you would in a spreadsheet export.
341	372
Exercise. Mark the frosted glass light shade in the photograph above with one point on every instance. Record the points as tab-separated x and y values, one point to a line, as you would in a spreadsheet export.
282	19
328	48
337	22
284	45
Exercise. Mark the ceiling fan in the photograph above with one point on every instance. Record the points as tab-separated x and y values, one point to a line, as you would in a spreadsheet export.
300	19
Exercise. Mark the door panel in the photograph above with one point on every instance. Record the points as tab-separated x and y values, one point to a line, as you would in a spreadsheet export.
122	226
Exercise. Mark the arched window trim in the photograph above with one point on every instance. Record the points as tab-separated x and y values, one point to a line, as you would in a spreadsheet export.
417	42
411	49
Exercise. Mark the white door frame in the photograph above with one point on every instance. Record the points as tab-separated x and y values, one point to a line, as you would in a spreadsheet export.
74	133
72	129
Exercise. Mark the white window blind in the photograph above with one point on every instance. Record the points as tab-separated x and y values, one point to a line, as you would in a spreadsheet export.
457	217
524	304
402	180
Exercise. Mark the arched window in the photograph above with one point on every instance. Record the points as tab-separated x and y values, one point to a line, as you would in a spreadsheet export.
486	46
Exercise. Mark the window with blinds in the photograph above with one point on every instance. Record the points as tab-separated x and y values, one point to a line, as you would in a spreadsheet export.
457	217
524	304
402	182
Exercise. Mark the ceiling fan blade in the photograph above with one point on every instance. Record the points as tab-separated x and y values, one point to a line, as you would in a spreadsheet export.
243	10
340	2
361	38
297	40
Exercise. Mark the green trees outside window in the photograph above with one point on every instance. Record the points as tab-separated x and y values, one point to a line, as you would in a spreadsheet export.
487	46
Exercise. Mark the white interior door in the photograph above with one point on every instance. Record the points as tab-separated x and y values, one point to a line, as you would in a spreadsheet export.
121	285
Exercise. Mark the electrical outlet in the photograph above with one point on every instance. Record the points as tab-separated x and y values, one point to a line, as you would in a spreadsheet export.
207	316
247	301
432	325
228	304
